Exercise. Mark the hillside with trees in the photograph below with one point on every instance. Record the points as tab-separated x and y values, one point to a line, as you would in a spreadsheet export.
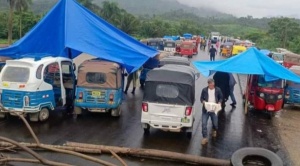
268	33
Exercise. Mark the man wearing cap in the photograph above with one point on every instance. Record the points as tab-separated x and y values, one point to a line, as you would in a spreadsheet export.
210	94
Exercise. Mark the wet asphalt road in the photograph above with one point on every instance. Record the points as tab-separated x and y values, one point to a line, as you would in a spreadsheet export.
235	131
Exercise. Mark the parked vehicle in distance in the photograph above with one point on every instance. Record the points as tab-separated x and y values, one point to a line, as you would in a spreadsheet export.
170	46
175	61
291	59
177	48
215	37
226	49
278	57
187	49
99	87
3	60
34	86
157	44
237	49
263	95
168	103
195	49
292	89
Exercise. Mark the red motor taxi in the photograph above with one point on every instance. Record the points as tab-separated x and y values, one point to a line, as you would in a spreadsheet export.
291	59
195	49
263	95
187	48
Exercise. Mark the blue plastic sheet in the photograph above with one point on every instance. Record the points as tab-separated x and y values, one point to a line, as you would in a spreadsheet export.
251	61
70	29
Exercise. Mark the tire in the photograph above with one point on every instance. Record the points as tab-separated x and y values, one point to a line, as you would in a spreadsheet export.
116	112
189	135
260	155
147	129
43	114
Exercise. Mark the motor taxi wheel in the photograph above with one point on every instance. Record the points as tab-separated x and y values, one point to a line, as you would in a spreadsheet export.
116	112
44	114
255	156
189	135
3	115
146	129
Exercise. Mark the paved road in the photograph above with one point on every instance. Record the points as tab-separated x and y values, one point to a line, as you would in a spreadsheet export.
235	131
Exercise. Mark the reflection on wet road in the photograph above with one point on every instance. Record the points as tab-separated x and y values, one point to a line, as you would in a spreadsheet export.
235	131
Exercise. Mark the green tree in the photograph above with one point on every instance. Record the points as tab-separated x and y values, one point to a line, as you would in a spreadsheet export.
128	23
284	30
10	20
21	6
110	11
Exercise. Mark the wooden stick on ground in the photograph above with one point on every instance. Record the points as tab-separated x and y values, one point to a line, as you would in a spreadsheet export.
152	153
34	154
118	157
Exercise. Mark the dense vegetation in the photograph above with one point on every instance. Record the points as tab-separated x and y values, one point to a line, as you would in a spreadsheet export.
140	22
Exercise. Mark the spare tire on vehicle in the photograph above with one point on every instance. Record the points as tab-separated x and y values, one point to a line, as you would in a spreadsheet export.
255	156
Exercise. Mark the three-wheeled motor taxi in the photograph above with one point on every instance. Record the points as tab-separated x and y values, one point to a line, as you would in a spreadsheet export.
157	44
263	95
195	50
168	103
187	49
291	59
170	46
34	86
99	87
226	49
237	49
175	61
278	57
177	48
292	89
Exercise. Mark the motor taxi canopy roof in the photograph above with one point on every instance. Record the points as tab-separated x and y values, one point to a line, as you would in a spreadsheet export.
251	61
175	61
167	73
70	29
108	71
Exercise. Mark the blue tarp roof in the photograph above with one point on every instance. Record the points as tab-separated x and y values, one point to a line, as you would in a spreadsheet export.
70	29
266	52
251	61
187	35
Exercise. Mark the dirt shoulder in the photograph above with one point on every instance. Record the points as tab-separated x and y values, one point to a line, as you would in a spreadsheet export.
289	129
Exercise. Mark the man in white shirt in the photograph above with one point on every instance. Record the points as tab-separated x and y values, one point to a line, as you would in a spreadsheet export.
210	94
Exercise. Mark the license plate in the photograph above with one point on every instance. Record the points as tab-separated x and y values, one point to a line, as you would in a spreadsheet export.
96	93
185	120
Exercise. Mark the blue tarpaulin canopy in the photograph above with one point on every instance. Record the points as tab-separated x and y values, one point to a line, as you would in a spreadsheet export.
251	61
187	36
266	52
70	29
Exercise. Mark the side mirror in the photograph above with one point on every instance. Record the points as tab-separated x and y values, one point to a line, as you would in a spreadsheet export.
74	67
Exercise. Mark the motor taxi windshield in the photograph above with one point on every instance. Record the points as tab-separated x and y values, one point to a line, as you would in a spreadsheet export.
269	84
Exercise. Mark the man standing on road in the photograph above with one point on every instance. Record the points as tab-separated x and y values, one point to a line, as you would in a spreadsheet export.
232	83
222	81
212	53
210	94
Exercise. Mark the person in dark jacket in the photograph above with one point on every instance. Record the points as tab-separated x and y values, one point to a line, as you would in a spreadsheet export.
210	94
222	81
131	78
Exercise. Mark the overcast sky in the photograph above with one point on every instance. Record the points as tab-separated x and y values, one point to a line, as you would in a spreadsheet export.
256	8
